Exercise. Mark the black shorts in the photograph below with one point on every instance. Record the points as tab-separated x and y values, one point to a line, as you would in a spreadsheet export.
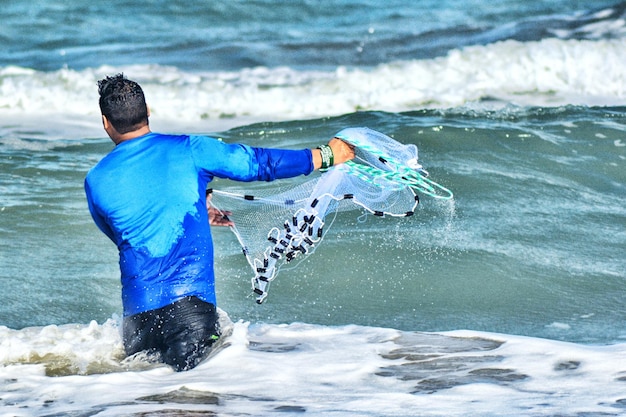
181	332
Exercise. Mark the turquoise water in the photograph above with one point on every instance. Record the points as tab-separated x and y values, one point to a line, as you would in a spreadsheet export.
533	237
230	35
515	106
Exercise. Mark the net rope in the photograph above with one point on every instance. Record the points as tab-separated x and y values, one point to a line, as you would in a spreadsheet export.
279	224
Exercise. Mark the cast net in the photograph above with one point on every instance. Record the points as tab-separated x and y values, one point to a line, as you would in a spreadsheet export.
277	226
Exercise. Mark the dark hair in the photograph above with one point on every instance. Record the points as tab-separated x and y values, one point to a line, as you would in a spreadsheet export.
123	103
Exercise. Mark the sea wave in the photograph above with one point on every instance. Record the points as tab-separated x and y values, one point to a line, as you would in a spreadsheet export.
550	72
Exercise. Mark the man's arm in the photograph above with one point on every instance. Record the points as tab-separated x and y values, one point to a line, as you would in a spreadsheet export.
95	214
241	162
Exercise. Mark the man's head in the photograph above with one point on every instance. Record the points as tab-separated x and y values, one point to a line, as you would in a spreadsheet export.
122	103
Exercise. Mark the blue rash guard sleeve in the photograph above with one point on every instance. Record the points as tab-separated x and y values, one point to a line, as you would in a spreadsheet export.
97	217
245	163
148	196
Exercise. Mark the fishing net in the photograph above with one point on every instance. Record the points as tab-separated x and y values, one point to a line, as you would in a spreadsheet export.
276	226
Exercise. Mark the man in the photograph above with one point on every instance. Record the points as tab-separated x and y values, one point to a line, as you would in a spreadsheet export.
148	196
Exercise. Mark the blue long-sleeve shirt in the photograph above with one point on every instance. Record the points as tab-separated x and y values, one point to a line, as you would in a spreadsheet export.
148	196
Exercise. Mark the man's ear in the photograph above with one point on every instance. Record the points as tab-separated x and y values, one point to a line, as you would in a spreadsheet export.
108	127
148	109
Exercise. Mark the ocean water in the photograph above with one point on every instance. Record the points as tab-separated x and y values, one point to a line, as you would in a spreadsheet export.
507	300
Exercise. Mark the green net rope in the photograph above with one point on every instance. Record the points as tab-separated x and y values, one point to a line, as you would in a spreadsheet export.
397	173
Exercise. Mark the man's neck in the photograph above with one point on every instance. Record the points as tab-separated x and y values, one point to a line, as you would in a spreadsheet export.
118	138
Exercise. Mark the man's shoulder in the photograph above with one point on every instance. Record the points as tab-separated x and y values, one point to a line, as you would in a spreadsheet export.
193	138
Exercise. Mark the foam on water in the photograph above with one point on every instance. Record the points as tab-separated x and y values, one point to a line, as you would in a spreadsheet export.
320	370
550	72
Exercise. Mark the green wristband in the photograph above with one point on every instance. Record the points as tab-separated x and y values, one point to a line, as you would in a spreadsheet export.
328	159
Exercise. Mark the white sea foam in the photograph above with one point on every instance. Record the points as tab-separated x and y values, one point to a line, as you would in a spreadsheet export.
550	72
340	371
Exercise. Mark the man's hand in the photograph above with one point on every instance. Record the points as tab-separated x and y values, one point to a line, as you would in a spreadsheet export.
342	151
217	217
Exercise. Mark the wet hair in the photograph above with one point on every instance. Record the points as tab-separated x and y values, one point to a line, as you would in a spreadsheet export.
123	103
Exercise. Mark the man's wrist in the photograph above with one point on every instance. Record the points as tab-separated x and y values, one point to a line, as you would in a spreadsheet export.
328	158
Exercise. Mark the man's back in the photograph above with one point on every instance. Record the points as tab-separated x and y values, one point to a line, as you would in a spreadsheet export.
147	195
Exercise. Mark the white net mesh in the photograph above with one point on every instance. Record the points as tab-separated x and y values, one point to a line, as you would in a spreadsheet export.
277	226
